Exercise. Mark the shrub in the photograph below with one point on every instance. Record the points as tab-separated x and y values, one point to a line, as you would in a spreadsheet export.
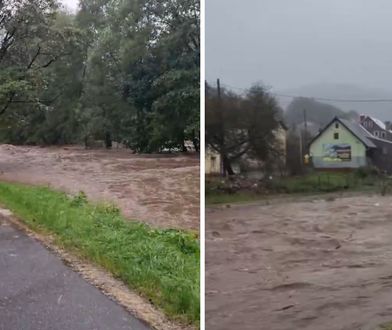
366	171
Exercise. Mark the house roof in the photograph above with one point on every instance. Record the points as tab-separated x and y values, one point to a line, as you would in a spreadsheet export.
379	123
357	130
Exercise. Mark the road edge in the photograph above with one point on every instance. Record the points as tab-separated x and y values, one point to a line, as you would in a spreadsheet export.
111	287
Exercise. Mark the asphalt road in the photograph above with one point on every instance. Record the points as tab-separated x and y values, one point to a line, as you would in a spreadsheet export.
37	291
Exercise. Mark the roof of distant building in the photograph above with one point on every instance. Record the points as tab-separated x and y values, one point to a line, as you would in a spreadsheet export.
378	122
356	129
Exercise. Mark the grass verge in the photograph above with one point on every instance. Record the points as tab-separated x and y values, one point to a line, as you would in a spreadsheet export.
312	183
161	265
387	326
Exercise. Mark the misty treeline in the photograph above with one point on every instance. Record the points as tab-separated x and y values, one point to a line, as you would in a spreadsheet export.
242	125
116	70
317	113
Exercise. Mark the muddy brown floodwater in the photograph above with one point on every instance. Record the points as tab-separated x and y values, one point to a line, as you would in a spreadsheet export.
314	265
162	190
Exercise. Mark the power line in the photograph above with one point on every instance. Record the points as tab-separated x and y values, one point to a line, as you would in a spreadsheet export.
318	98
335	100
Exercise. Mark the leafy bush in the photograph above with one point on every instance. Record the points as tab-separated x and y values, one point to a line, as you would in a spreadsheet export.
367	171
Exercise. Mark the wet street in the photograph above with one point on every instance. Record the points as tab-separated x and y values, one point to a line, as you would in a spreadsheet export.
37	291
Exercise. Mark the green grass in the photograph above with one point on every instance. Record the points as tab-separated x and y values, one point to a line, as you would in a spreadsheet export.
312	183
387	326
322	182
161	265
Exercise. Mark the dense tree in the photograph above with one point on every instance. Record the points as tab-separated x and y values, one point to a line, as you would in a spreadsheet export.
30	42
241	125
144	69
38	46
125	71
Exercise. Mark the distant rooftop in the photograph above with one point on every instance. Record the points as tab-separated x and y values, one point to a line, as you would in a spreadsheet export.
378	122
359	131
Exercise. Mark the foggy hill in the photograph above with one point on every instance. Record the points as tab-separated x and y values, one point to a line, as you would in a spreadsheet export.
318	114
382	111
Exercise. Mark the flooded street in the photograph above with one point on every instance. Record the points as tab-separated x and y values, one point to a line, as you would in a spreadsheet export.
161	190
314	265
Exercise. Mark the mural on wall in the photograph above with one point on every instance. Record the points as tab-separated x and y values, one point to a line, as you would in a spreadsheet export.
339	152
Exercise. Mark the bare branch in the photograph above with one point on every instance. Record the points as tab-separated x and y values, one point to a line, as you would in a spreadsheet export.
34	57
4	109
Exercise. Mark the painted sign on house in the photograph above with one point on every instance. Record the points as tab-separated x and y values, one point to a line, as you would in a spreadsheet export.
336	152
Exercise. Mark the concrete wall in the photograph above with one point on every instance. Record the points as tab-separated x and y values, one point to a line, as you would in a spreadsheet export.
320	149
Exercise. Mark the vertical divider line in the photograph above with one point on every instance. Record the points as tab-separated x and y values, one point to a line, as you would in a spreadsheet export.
202	164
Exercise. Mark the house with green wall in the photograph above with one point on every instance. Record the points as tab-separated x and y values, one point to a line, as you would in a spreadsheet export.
342	144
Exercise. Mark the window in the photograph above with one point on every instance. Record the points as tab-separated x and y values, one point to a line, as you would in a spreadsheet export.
384	150
370	124
365	124
383	135
336	125
376	133
336	136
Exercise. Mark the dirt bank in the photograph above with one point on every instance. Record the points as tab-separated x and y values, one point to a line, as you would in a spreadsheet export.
318	265
161	190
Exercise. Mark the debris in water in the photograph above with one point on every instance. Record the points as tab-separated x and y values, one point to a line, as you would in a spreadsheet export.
285	308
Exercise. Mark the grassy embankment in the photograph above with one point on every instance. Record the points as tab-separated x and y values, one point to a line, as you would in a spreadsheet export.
162	265
387	326
310	184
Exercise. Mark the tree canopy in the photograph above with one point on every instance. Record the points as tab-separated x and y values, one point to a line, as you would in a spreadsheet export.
241	125
124	71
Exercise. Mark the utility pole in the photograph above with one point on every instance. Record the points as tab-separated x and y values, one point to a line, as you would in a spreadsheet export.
300	150
306	131
222	129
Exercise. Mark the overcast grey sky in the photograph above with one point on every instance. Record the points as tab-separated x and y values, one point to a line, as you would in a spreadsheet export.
72	4
287	43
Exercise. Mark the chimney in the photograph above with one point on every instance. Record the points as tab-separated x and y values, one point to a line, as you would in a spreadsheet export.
361	118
